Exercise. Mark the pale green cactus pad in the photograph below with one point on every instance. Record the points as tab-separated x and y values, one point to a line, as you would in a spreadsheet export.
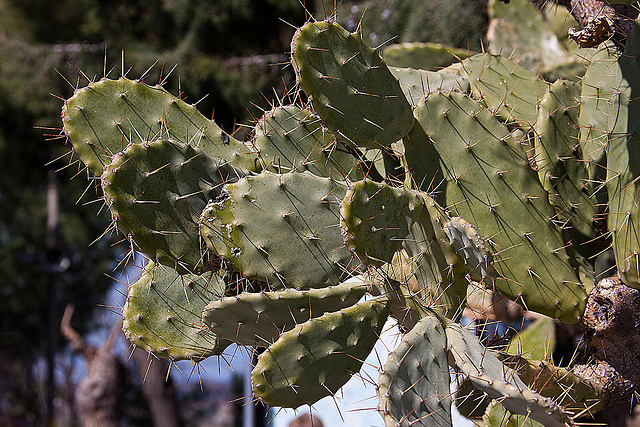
414	382
490	184
163	313
623	171
507	88
259	222
156	192
259	318
561	168
379	220
290	138
103	118
417	84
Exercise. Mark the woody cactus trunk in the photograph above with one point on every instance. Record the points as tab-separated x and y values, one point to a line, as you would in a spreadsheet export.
391	193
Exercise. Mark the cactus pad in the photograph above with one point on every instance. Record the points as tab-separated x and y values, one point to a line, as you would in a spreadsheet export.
489	375
598	106
350	86
163	313
378	220
471	247
414	382
156	192
260	318
103	118
507	88
561	168
317	357
417	84
261	221
623	157
489	183
535	342
292	138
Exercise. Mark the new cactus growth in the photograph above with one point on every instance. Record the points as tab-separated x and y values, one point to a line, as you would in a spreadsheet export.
500	190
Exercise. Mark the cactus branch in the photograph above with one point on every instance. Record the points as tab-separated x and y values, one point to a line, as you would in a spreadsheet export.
600	21
611	322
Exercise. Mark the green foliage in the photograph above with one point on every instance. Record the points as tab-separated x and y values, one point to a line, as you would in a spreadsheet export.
456	23
350	86
157	191
136	114
489	183
291	138
259	221
258	318
44	43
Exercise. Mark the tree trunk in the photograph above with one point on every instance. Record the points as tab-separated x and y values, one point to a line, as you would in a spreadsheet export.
599	21
612	331
98	393
157	389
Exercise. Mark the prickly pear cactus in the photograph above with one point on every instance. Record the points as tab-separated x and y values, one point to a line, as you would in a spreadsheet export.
384	197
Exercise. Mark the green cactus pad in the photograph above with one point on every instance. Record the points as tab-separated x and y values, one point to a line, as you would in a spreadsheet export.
414	382
262	220
260	318
317	357
423	166
507	88
417	84
520	30
623	162
156	192
471	247
423	56
350	86
491	376
598	106
163	313
490	184
378	220
535	342
103	118
561	169
574	393
291	138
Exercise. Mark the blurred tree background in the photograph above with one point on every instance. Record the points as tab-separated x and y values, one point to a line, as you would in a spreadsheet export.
234	51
